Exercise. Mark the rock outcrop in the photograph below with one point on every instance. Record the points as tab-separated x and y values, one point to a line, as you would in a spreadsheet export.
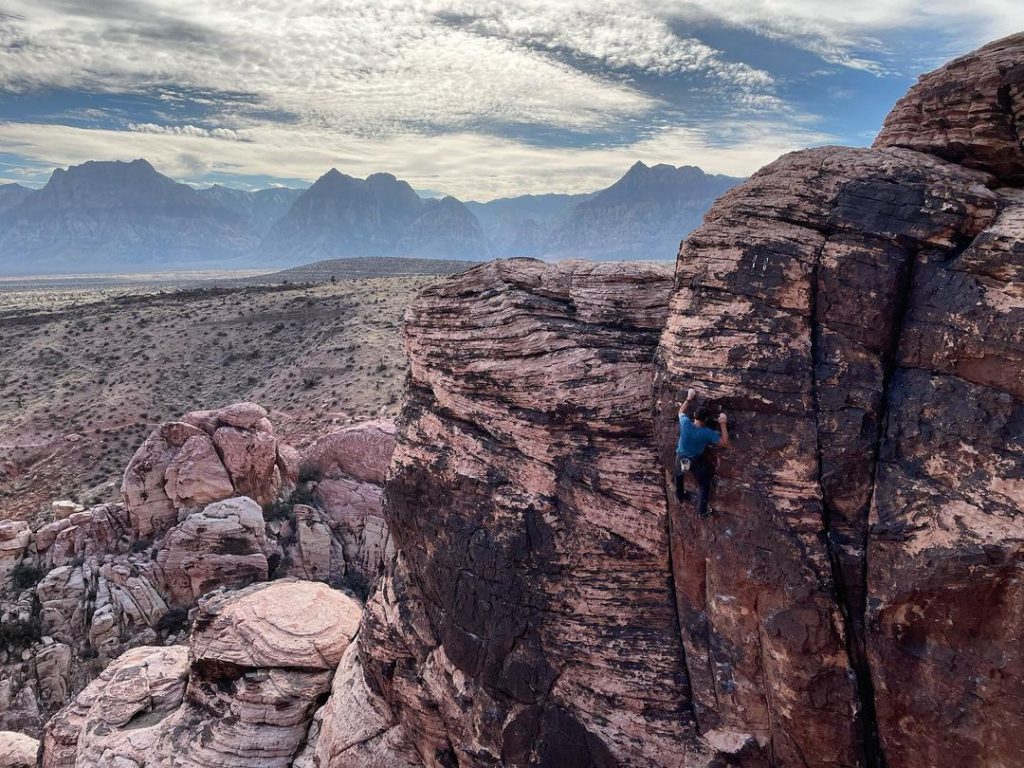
526	498
859	314
78	592
242	693
206	457
349	467
970	112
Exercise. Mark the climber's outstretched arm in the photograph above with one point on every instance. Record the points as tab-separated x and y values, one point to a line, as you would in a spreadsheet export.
723	423
691	395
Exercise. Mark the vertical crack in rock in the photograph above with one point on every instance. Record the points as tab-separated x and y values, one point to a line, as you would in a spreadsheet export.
853	609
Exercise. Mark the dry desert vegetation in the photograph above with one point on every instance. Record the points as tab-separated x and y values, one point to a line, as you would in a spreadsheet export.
87	371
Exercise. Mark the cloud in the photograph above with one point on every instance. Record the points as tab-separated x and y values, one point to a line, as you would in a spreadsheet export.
185	130
428	88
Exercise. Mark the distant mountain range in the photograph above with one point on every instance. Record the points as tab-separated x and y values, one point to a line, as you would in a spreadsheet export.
118	216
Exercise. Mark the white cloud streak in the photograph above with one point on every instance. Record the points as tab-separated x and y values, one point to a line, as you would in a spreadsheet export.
419	87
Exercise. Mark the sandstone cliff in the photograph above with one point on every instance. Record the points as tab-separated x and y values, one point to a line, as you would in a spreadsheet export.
854	601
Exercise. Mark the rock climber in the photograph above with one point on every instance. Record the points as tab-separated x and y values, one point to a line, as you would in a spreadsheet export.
694	438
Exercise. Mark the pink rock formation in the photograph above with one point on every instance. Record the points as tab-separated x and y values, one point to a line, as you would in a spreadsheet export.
17	750
356	728
362	451
196	475
224	545
243	694
526	497
96	582
206	457
15	536
352	509
286	623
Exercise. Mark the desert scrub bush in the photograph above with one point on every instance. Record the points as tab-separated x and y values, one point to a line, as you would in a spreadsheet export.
173	622
353	583
141	545
18	635
26	575
283	508
310	473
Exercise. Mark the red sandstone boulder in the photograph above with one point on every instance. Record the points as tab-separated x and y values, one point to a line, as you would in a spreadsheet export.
526	498
362	452
17	750
970	111
206	457
224	545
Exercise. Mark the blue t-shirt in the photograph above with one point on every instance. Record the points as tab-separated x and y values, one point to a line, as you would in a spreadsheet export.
693	439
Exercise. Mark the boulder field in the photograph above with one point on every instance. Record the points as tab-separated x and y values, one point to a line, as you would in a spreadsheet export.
537	595
202	512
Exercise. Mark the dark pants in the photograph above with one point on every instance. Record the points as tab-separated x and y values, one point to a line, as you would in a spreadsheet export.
702	472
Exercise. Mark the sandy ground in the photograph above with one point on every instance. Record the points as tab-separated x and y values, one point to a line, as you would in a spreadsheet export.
87	371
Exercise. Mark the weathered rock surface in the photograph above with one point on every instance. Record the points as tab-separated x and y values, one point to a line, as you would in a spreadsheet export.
356	728
970	111
224	545
244	693
17	750
206	457
856	596
787	314
946	551
349	465
362	451
15	536
526	497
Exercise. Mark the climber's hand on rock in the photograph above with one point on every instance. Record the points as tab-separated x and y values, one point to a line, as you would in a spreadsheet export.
690	394
722	418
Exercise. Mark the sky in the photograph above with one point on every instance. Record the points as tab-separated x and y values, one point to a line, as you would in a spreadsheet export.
476	98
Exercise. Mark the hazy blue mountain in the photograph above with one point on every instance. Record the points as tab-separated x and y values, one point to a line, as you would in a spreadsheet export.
341	216
259	209
104	216
643	215
116	215
10	196
445	228
520	226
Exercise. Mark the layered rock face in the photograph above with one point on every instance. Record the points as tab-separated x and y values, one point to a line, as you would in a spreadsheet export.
971	112
525	496
858	313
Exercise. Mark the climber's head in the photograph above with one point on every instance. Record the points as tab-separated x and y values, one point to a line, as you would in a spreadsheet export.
700	416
